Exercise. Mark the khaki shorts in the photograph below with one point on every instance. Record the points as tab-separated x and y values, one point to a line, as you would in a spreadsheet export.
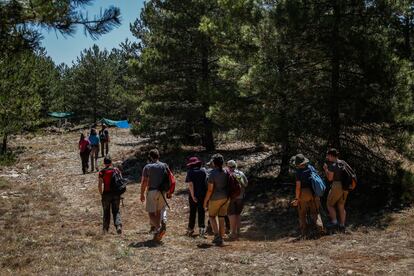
218	207
155	201
336	195
236	207
309	205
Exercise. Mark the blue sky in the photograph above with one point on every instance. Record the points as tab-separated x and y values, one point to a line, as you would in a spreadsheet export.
66	49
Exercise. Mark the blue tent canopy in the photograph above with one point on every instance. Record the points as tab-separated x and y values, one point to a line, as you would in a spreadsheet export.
118	124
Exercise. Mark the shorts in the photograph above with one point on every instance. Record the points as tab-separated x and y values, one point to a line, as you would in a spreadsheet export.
155	201
336	195
218	207
235	207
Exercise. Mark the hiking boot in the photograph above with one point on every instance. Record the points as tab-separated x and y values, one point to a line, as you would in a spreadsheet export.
218	241
202	233
152	230
216	237
332	226
233	237
189	232
105	231
342	229
119	229
162	230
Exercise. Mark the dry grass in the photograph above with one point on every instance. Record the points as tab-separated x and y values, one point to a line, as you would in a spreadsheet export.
50	217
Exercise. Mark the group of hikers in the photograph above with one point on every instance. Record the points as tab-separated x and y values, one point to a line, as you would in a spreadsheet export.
308	193
89	147
208	192
219	191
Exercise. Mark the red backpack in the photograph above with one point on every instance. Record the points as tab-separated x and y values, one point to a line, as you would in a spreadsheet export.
233	185
171	177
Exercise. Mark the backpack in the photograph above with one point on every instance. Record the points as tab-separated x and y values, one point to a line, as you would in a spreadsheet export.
118	183
102	136
318	185
233	185
168	181
240	179
171	177
348	176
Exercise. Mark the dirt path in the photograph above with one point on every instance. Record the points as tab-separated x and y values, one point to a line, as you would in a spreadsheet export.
50	215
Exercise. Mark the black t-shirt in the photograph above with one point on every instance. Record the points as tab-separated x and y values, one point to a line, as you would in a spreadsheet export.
303	175
104	135
198	176
337	171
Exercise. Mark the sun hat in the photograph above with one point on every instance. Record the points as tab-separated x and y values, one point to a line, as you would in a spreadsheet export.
193	161
231	164
300	160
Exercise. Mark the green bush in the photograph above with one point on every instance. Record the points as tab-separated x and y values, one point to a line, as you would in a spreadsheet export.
7	159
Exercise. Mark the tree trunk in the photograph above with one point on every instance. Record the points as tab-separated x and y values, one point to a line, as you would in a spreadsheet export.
208	137
284	166
334	99
284	124
4	146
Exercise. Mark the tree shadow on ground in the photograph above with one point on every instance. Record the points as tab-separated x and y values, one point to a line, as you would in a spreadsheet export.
177	160
146	244
269	216
131	144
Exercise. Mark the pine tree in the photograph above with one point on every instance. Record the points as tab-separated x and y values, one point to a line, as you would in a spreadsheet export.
20	99
19	21
178	67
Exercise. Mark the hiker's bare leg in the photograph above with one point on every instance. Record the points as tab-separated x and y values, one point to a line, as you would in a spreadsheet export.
214	226
238	224
222	226
233	224
155	219
332	213
302	219
92	161
342	214
158	219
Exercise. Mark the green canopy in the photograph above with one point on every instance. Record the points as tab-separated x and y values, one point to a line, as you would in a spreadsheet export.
60	115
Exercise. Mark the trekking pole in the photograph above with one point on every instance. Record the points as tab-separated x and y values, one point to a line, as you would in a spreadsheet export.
165	200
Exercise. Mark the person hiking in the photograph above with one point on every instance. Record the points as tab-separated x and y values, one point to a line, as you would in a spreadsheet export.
104	138
307	202
84	150
217	198
152	176
209	230
110	200
236	204
337	195
94	141
197	184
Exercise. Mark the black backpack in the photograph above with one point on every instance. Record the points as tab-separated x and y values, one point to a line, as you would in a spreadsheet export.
102	136
118	183
348	176
165	182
